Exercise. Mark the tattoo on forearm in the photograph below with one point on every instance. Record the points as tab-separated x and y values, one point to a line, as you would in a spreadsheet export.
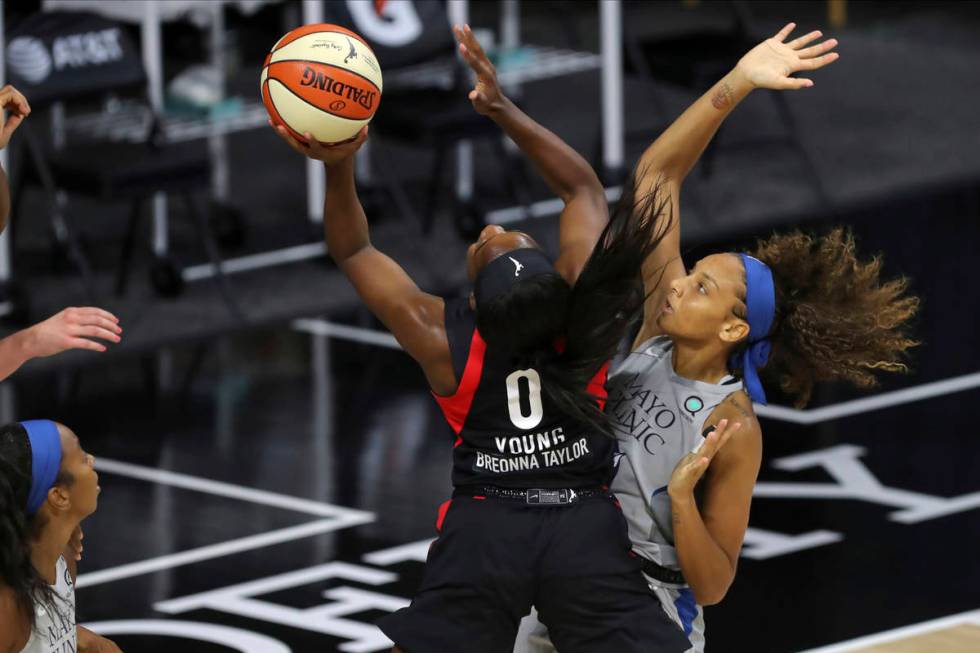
722	98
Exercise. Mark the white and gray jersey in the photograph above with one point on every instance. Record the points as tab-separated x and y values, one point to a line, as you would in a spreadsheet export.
54	627
659	418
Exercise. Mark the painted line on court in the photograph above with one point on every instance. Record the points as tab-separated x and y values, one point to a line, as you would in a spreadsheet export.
187	482
877	402
333	518
333	569
210	552
413	551
898	634
781	413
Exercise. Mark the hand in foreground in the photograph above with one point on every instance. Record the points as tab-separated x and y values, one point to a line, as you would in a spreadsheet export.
770	64
15	104
330	153
486	95
691	468
71	329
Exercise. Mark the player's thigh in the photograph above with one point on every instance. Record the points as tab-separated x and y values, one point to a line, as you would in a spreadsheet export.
607	614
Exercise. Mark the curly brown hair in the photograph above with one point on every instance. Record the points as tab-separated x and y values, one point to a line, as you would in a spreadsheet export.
835	317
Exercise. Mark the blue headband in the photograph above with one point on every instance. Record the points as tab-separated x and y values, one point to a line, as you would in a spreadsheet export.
760	302
499	275
45	460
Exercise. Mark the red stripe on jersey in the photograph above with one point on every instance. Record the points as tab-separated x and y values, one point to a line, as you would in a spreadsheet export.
457	406
597	386
443	509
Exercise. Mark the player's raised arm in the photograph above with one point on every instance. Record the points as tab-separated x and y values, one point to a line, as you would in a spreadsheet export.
672	155
567	174
414	317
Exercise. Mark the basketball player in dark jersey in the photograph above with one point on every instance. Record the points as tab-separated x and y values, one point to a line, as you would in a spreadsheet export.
518	369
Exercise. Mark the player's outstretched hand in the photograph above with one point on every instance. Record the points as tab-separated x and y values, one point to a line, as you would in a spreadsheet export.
73	328
771	63
486	95
330	153
15	105
691	468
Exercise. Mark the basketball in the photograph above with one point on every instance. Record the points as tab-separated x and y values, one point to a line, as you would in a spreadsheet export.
322	79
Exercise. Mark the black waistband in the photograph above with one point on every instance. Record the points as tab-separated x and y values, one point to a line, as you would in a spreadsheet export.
533	496
661	573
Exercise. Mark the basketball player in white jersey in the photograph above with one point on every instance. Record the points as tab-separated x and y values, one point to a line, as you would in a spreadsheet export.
682	398
48	485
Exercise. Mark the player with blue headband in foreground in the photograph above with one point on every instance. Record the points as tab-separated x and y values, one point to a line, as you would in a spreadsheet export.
48	485
796	310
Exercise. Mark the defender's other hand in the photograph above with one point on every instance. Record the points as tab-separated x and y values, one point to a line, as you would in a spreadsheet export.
770	64
691	468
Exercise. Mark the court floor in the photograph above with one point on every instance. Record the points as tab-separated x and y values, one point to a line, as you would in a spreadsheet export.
276	489
287	499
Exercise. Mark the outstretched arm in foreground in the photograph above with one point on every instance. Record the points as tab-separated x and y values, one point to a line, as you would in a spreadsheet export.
72	328
670	158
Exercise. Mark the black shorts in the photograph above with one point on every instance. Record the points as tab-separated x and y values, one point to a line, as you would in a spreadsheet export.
495	558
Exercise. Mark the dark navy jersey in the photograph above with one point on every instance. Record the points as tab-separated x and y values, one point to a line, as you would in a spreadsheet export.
508	432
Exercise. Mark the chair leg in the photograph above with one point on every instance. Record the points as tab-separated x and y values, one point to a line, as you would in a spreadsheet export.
129	244
432	193
200	222
197	359
17	194
392	185
69	239
59	225
517	181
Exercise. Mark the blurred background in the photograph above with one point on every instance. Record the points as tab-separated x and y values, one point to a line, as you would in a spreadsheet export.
272	463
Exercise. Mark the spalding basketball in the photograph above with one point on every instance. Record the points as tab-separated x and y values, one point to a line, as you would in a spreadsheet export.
321	79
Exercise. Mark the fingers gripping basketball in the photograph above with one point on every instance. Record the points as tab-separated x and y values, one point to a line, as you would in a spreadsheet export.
321	79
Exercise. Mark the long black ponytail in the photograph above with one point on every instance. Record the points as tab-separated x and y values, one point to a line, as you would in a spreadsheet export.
17	530
16	571
591	317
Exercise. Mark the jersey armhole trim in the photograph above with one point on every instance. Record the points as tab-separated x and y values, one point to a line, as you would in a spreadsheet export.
597	386
456	407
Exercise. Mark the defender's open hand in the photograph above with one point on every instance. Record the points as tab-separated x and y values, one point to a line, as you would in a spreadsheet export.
770	64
